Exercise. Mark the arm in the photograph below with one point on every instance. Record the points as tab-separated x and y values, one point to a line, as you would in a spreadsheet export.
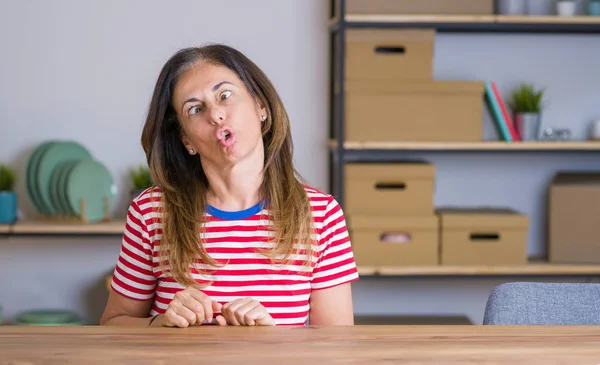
122	311
133	281
332	306
331	294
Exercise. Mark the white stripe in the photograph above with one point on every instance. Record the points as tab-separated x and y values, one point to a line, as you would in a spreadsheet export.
233	289
233	234
135	262
333	271
135	273
291	320
337	259
135	250
253	277
228	298
334	282
298	310
133	283
130	293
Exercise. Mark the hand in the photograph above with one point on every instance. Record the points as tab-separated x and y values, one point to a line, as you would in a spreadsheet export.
244	312
189	307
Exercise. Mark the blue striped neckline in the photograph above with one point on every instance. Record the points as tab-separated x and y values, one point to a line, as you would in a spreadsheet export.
234	215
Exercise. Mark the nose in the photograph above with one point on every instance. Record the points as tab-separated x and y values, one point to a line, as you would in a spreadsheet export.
217	115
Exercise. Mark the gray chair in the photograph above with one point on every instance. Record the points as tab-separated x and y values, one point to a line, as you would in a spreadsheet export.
543	304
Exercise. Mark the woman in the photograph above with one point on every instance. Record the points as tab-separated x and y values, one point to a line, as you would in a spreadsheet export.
229	235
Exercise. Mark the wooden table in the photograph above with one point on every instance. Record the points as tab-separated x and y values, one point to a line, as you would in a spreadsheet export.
302	345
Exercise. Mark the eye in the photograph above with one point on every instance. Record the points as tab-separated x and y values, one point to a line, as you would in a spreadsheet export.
195	109
225	95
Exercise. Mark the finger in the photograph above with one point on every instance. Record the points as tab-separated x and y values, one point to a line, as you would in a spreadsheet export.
172	319
240	313
195	306
184	312
230	308
203	300
221	321
260	316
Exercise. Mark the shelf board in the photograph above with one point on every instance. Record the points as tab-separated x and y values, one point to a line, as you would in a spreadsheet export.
532	269
4	228
51	227
476	23
472	146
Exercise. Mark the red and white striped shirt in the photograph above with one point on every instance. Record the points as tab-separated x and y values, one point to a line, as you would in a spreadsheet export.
233	238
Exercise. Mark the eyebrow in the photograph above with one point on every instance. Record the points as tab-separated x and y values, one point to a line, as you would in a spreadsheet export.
217	86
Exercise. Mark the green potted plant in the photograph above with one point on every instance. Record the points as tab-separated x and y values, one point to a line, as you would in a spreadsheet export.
526	105
140	179
8	197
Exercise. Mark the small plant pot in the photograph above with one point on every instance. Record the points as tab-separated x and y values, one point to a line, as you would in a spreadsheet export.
512	7
8	207
528	126
594	7
566	7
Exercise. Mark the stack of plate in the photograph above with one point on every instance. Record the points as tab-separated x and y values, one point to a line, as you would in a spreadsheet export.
60	175
48	317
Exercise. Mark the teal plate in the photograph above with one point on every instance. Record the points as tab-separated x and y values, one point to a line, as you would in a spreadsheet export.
55	187
90	180
56	154
30	179
63	201
47	317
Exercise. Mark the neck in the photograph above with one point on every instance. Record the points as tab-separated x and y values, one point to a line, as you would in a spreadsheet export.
237	186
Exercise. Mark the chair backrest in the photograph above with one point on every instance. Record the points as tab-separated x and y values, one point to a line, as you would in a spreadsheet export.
543	304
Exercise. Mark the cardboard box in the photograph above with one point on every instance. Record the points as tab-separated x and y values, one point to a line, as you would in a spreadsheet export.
574	218
483	236
394	240
428	7
396	54
437	111
403	188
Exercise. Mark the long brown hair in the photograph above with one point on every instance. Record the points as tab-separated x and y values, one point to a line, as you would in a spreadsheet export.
183	182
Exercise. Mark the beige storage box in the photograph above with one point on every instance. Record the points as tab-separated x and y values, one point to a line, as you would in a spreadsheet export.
394	240
483	236
421	7
396	54
574	218
404	188
438	111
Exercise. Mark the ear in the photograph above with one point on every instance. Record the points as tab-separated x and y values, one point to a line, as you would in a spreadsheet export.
262	110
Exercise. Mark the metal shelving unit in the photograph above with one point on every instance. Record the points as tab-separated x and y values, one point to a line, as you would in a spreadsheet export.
342	151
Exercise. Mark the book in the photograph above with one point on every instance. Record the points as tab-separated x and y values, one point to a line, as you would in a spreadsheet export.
507	119
496	112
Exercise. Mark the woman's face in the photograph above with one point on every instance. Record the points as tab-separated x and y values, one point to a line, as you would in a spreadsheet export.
219	117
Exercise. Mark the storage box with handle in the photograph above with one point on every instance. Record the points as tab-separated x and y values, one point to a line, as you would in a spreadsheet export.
394	240
436	111
421	7
394	54
402	188
483	236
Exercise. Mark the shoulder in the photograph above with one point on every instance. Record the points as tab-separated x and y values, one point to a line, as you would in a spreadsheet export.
146	206
322	204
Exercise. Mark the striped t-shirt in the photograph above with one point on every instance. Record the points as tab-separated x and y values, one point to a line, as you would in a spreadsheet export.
233	238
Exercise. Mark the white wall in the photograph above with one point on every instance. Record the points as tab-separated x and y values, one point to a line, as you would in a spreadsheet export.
85	70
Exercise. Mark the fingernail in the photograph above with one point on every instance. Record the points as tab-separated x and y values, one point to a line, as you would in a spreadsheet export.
209	320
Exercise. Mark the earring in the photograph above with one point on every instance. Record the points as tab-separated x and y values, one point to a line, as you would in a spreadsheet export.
264	117
192	151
